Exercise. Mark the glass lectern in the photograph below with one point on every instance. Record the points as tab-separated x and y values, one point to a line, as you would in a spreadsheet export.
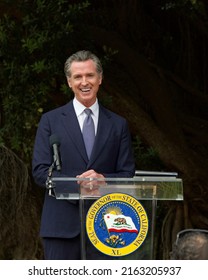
107	230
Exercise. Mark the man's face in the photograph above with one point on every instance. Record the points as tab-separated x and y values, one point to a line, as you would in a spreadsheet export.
84	81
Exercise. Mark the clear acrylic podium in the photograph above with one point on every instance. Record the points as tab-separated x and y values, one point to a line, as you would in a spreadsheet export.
147	188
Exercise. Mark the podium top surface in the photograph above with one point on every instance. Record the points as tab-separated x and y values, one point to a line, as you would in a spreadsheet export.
140	187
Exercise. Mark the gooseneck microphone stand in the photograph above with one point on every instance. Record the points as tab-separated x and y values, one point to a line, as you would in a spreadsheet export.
49	182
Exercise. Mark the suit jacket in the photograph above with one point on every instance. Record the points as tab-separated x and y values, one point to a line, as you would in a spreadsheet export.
111	155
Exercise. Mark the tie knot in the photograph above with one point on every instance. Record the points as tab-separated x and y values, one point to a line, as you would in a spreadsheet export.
88	111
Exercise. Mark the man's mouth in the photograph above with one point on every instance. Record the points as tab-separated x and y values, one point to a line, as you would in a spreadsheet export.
85	90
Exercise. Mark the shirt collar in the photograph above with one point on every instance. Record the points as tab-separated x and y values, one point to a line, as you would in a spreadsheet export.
79	107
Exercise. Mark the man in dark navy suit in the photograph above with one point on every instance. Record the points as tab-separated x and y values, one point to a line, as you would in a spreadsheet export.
111	155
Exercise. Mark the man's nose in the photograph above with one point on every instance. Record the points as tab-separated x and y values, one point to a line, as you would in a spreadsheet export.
84	80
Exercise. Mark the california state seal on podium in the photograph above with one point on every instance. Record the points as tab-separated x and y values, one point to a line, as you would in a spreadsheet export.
117	224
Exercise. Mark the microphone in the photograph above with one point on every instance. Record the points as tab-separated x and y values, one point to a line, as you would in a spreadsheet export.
54	143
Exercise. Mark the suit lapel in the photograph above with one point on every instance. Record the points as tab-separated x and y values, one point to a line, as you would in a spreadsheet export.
72	127
103	131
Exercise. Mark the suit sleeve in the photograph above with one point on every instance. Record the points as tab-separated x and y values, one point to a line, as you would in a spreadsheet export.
42	152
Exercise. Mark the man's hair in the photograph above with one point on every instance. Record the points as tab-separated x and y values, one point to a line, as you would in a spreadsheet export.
82	56
191	244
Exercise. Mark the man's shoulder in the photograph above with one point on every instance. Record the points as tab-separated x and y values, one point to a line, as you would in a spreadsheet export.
59	110
110	113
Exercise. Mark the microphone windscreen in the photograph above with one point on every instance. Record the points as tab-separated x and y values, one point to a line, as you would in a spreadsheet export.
54	140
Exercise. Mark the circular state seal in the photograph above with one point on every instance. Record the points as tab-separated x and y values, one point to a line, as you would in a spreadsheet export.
117	224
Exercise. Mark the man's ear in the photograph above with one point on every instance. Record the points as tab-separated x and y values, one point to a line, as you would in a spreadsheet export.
101	78
68	81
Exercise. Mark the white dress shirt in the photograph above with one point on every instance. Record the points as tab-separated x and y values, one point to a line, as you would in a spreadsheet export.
79	110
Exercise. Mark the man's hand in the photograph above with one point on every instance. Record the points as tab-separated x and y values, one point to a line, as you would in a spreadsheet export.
90	174
91	186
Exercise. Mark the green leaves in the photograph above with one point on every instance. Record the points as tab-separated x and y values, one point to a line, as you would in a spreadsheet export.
146	157
35	40
39	66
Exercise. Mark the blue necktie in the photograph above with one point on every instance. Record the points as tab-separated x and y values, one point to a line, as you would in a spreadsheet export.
88	132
